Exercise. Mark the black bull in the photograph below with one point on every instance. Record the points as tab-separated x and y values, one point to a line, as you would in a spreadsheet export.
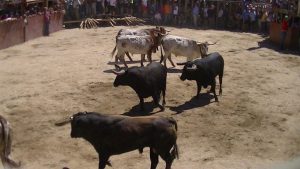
149	81
116	134
204	72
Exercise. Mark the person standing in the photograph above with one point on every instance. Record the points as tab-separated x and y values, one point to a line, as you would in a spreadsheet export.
284	30
175	13
46	21
195	13
220	20
205	15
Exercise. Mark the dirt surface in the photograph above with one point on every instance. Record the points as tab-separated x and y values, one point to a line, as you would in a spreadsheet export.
255	124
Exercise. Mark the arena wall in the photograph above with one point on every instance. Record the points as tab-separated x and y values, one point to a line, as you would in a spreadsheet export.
15	31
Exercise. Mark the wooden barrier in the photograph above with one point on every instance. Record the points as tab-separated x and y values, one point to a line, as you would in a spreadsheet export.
15	31
292	38
11	33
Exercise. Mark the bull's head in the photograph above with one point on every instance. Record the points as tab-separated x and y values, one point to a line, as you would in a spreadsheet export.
188	71
77	124
203	47
122	76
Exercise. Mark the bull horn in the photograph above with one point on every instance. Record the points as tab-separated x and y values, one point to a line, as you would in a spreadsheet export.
64	121
183	63
118	72
194	67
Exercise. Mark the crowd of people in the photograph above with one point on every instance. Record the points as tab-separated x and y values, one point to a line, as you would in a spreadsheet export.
199	13
14	11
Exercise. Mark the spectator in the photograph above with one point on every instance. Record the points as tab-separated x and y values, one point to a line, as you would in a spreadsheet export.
246	21
167	12
144	7
195	13
252	20
175	13
76	6
157	18
283	33
205	15
46	21
263	22
131	5
220	20
112	7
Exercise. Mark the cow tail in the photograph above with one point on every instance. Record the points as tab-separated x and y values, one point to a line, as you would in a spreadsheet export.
175	150
113	52
161	54
6	161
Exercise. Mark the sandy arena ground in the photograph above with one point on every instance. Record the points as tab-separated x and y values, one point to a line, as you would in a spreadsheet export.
255	124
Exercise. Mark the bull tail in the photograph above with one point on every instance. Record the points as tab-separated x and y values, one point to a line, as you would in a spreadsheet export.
6	136
175	151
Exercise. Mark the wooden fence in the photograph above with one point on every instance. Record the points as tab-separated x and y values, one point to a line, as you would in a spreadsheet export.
14	32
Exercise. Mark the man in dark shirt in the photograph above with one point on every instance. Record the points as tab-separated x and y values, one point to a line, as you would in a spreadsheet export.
46	21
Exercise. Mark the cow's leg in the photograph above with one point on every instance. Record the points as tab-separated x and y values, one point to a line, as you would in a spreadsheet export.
142	59
128	55
123	60
142	103
198	89
149	56
213	88
103	160
153	158
170	59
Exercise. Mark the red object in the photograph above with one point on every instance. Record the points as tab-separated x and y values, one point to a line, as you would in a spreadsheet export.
284	25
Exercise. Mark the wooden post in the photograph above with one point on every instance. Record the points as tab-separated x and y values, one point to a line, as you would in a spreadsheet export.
299	8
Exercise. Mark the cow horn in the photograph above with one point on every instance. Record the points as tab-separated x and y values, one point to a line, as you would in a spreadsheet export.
194	67
183	63
118	72
64	121
211	43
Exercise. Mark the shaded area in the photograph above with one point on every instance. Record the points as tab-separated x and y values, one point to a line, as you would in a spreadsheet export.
267	43
174	70
136	110
195	102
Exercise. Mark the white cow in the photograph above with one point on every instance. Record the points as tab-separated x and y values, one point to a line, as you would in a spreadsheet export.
180	46
5	145
135	45
142	32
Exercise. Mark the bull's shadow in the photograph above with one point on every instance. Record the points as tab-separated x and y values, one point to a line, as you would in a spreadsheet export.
136	110
202	100
121	63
